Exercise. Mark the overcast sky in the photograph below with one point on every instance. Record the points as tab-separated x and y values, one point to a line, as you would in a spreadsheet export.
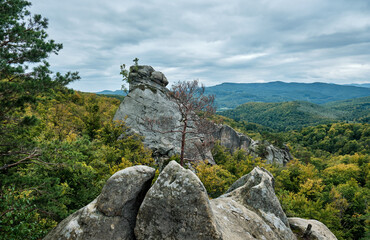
211	40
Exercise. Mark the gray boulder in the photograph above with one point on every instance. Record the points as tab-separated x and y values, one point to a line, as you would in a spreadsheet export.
256	191
318	231
238	222
176	207
112	215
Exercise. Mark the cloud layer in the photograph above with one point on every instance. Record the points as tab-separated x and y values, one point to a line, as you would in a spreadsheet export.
211	40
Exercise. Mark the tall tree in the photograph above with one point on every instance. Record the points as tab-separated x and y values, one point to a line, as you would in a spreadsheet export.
194	107
24	72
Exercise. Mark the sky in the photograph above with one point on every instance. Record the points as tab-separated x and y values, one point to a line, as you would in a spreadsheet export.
211	40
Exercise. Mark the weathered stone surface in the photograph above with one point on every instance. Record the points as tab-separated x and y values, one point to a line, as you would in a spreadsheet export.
148	101
176	207
273	154
113	214
319	230
237	222
256	191
232	139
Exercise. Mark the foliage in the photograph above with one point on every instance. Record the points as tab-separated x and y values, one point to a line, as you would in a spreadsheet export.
354	110
77	150
24	43
215	178
282	116
19	217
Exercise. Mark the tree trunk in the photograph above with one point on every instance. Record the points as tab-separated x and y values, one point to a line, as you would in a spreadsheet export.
183	138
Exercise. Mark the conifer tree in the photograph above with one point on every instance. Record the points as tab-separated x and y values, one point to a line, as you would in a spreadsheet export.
24	73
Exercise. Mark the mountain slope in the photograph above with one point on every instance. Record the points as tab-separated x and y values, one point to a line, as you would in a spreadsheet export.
230	95
294	115
356	110
283	116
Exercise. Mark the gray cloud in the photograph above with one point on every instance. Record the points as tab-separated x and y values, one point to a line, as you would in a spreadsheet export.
214	41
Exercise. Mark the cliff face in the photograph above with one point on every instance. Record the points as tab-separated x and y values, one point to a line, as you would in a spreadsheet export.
176	206
148	101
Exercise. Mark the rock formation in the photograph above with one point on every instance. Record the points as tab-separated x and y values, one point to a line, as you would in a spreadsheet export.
177	207
148	100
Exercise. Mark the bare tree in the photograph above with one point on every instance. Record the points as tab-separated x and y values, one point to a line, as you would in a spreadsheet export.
194	108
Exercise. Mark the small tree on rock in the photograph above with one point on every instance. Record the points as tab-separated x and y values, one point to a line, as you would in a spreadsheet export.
194	107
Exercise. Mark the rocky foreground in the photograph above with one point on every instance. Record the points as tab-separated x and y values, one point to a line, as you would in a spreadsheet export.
176	206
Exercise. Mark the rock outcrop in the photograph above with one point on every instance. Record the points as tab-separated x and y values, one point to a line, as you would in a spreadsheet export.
148	101
256	191
177	207
318	231
112	215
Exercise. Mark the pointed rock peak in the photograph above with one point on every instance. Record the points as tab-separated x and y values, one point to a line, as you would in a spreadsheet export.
146	75
256	190
176	207
253	178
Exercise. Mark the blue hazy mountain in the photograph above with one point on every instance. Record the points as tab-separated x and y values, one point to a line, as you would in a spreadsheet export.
109	92
231	95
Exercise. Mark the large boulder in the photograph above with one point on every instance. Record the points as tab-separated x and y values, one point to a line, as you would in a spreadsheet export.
112	215
318	230
238	222
256	191
151	113
176	207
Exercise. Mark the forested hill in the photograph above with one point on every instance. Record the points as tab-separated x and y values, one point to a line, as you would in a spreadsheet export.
297	114
231	95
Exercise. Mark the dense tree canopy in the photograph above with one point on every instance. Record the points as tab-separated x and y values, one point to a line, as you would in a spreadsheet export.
24	45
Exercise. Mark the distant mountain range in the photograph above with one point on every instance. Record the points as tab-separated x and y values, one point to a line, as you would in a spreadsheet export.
296	114
231	95
365	85
109	92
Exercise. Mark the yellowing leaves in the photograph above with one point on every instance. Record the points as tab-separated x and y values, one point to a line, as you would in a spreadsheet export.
341	173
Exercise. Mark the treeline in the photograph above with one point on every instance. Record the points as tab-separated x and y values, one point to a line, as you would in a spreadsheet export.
55	158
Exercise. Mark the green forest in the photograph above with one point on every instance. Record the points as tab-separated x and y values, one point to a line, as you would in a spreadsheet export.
294	115
59	146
